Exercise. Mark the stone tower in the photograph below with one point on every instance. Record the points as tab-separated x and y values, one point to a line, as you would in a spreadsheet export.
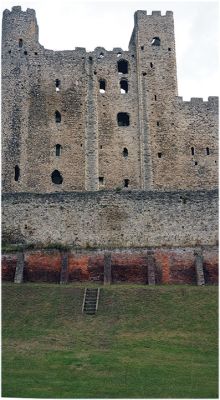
84	121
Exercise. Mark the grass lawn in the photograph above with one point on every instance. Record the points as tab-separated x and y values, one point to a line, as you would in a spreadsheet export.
144	342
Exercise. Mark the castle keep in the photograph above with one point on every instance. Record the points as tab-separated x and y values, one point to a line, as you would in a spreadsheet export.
100	152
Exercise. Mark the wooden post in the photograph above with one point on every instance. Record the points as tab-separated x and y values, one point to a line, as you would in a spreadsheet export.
107	269
199	267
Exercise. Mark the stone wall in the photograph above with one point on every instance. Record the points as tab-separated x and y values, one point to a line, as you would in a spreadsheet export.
171	266
153	152
111	219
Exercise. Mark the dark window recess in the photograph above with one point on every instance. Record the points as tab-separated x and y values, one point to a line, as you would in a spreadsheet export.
196	162
35	53
207	151
124	86
158	123
142	47
123	66
192	151
101	180
126	182
9	51
17	173
102	86
25	52
155	41
58	150
57	84
151	65
159	155
169	48
125	152
101	147
20	43
101	55
56	177
123	119
144	73
57	117
155	97
95	72
90	58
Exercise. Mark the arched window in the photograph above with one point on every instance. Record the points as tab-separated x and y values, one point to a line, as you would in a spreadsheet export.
123	67
20	43
57	83
56	177
57	117
155	41
102	86
58	149
17	173
123	119
125	152
124	86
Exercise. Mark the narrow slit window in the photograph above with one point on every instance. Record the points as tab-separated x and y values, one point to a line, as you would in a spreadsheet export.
142	47
159	155
20	43
155	97
102	86
17	173
126	183
101	180
155	41
123	67
158	123
192	151
57	117
58	148
123	119
151	65
57	84
125	152
56	177
124	86
207	151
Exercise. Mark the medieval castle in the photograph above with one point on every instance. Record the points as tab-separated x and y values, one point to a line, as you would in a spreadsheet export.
100	152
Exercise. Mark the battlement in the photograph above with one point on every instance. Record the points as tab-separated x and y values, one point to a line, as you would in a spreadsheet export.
18	10
198	100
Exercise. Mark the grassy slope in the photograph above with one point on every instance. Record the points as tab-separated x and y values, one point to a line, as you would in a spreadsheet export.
145	342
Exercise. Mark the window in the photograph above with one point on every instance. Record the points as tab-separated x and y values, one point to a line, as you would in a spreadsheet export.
20	43
25	52
124	86
207	151
144	73
101	55
57	84
142	47
151	65
58	150
192	151
119	54
57	117
169	48
101	180
102	86
158	123
155	41
125	152
123	66
56	177
123	119
126	182
159	155
155	97
17	173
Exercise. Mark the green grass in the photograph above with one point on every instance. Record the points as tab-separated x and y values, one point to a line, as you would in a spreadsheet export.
145	342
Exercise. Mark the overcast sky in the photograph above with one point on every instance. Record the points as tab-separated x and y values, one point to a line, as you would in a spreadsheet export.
66	24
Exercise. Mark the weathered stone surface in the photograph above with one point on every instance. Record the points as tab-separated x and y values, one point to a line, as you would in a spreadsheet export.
172	266
36	83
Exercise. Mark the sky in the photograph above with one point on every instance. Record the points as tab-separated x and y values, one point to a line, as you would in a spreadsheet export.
66	24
